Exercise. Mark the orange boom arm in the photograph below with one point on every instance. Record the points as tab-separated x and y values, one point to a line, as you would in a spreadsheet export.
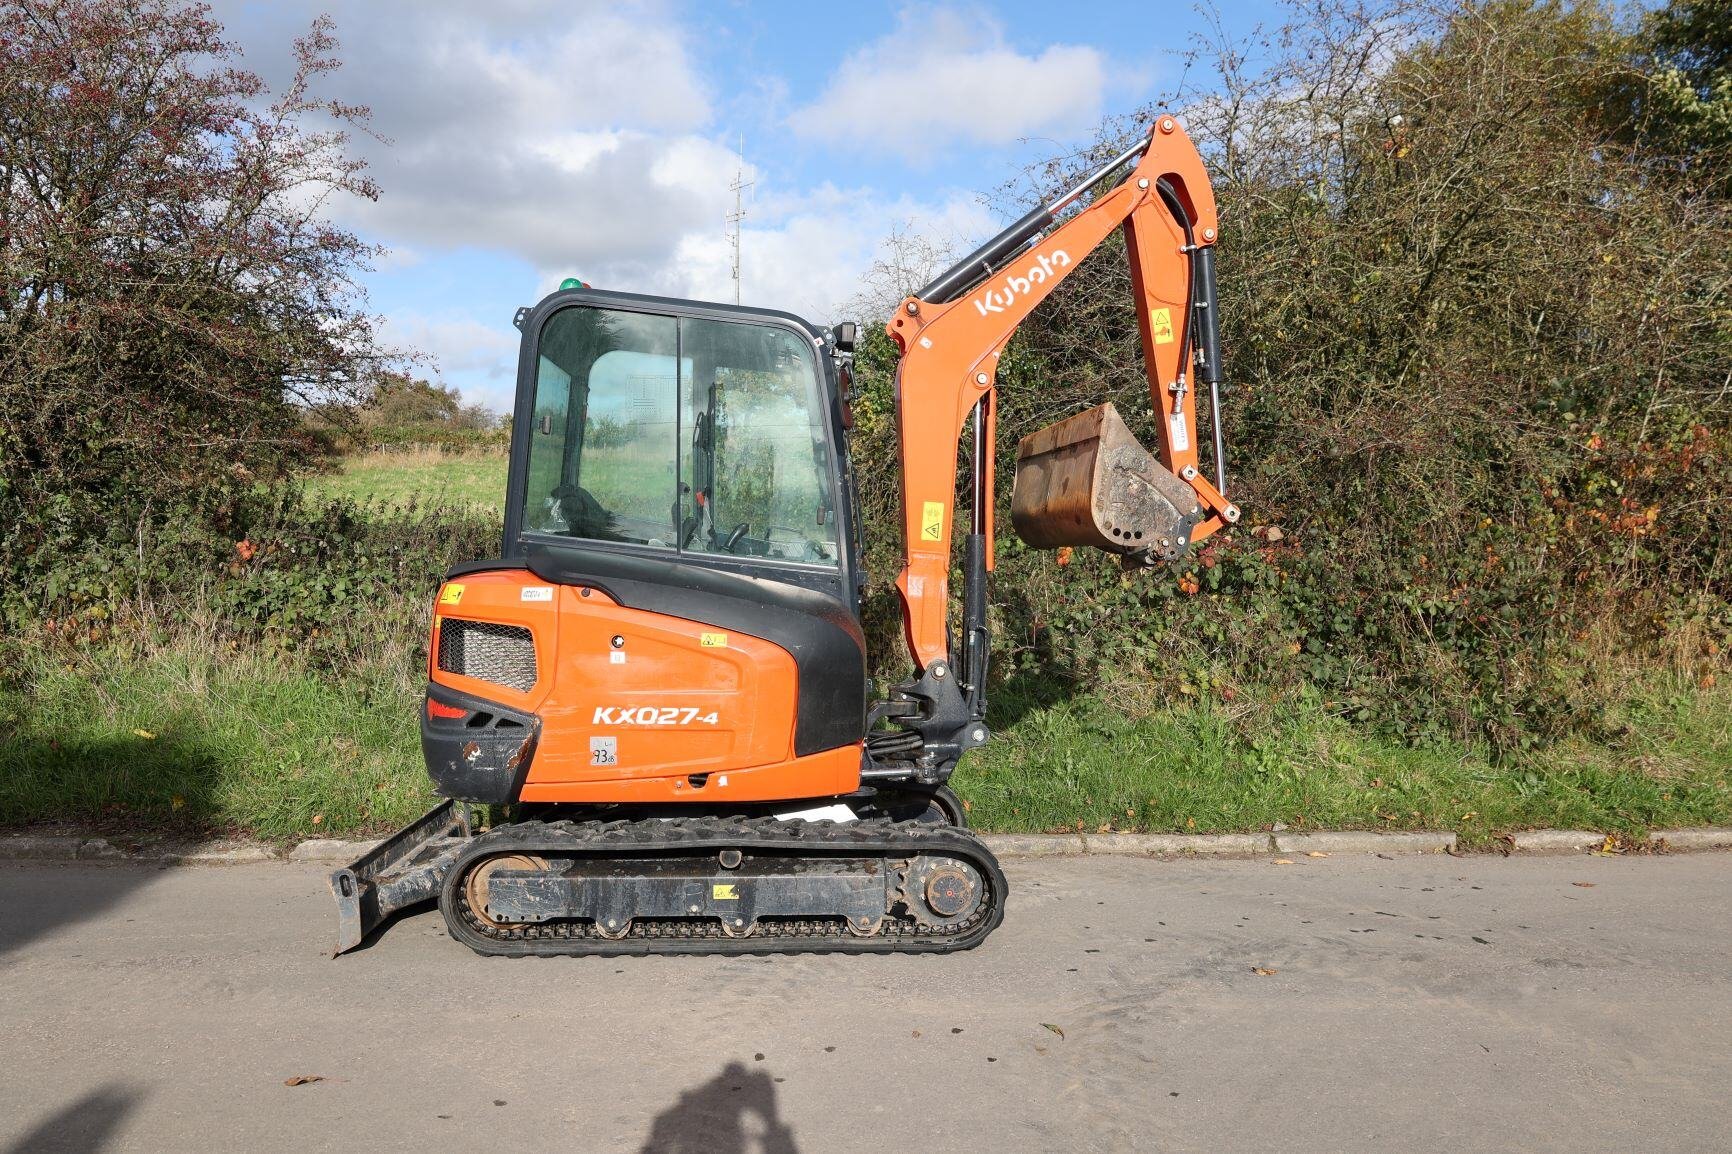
951	344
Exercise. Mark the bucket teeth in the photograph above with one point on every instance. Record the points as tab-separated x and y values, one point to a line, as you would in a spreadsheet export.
1087	481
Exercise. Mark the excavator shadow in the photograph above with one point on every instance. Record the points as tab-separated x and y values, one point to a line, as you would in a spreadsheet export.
76	774
83	1126
733	1113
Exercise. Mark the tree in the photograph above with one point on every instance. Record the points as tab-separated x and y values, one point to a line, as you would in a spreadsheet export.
1688	90
175	297
1478	342
400	401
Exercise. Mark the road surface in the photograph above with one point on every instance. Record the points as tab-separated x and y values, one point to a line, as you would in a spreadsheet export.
1447	1003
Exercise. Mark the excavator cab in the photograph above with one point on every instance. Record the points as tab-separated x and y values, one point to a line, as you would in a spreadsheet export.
684	432
680	568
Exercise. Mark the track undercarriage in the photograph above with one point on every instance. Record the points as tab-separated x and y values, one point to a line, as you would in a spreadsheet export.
699	884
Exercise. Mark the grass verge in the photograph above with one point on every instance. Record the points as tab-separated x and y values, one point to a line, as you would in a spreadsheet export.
1083	763
193	734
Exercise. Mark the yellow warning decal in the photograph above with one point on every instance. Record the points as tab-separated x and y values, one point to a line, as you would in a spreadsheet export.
723	893
451	595
1161	324
932	521
713	640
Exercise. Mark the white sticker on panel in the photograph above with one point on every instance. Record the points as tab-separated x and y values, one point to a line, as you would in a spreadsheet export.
1181	434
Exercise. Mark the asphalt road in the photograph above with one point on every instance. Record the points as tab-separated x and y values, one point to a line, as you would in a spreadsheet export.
1473	1003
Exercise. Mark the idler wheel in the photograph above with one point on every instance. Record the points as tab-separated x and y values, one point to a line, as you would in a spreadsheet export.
475	886
949	892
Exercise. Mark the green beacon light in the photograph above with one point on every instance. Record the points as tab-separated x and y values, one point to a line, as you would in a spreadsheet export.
571	282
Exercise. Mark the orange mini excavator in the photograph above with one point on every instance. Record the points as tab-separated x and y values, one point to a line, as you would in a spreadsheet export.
662	681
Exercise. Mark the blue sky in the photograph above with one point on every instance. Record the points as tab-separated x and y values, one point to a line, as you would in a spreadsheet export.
531	140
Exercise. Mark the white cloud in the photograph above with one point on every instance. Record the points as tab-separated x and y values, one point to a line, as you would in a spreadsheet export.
945	76
555	131
822	245
581	137
485	354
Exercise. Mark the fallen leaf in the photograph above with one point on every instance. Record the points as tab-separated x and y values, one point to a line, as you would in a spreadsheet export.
176	802
318	819
1040	1049
1283	861
1064	555
917	1033
1585	885
144	733
1053	1028
303	1079
1262	973
1315	853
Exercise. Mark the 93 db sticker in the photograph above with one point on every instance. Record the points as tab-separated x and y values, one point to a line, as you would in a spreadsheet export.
649	715
604	751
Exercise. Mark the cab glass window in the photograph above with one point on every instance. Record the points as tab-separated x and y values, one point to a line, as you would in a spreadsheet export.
754	459
677	433
601	458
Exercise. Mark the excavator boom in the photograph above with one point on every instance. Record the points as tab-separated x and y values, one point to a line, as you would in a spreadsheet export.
1083	481
952	336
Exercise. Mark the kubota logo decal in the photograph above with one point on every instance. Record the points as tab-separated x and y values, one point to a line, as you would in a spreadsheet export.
649	715
998	299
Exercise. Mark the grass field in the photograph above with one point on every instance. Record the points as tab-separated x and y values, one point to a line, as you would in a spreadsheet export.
427	476
187	733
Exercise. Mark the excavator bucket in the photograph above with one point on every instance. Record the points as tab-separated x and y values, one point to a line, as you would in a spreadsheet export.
1087	481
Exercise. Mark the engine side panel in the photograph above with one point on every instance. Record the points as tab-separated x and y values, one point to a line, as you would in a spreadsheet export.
632	705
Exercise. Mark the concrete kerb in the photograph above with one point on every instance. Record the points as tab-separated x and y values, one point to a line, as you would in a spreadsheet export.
1706	837
1166	844
331	851
1548	841
335	851
29	847
1352	841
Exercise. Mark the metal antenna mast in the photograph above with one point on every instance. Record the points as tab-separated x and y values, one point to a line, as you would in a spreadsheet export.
740	183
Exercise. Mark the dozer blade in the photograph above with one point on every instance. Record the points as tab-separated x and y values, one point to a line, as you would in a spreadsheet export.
1087	481
400	871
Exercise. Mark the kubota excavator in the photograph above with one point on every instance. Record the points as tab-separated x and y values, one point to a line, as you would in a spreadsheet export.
662	681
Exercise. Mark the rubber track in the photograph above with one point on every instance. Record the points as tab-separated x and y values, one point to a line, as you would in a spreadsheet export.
699	837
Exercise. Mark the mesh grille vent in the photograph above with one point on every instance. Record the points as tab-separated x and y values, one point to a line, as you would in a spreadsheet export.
502	654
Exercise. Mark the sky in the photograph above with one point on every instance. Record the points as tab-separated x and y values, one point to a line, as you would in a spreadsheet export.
520	142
